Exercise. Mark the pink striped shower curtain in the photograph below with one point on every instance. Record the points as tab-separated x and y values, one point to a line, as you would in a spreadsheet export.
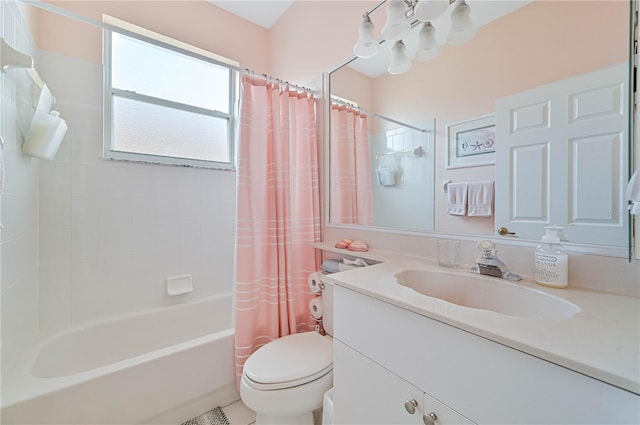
351	200
278	215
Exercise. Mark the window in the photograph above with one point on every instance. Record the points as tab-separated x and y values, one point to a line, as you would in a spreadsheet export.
165	101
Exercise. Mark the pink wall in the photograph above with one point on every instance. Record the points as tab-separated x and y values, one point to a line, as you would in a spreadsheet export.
314	36
354	86
198	23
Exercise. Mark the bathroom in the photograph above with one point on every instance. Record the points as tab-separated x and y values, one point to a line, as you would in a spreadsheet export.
86	240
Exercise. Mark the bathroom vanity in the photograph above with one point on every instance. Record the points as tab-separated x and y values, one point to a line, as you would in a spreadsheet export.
401	357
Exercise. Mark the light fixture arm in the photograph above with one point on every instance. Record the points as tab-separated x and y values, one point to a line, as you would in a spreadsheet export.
411	5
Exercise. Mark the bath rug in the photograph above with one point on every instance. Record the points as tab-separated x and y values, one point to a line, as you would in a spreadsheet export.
212	417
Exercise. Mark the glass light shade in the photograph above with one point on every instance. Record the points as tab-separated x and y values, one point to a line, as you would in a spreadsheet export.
428	10
397	24
367	45
462	29
400	62
428	48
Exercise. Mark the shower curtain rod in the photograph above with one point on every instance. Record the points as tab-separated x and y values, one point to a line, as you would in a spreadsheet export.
72	15
270	79
373	114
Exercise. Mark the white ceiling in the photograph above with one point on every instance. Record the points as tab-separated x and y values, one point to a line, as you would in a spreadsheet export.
262	12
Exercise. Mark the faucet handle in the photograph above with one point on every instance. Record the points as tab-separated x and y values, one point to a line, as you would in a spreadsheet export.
485	245
487	248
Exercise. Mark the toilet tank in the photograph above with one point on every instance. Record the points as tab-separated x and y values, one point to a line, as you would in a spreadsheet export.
327	307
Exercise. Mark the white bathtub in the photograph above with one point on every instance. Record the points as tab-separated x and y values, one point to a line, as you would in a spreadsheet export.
159	366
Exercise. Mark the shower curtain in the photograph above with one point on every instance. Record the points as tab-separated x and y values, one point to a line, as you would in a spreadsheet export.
278	215
351	199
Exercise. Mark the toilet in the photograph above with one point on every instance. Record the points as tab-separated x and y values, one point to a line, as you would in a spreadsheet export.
284	381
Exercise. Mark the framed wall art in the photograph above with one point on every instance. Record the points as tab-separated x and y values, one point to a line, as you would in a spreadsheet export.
471	143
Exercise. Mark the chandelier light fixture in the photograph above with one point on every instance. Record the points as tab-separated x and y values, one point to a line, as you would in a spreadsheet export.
402	15
367	45
400	62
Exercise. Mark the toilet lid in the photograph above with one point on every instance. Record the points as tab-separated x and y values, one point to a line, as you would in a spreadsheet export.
289	361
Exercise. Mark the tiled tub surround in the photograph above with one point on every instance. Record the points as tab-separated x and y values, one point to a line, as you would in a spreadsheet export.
601	341
19	237
161	366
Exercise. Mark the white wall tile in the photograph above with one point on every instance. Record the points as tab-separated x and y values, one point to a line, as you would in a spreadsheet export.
86	242
55	211
168	207
111	231
85	274
19	251
144	211
168	237
55	179
142	181
116	240
86	211
18	309
86	180
117	211
19	213
144	239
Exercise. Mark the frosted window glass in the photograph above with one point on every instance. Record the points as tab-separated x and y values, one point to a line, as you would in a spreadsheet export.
146	128
151	70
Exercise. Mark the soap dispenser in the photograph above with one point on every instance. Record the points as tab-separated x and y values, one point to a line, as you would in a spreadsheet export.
551	260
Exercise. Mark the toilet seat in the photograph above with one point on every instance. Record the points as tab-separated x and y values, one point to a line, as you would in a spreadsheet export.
289	361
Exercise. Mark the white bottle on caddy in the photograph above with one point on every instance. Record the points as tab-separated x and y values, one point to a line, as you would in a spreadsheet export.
551	260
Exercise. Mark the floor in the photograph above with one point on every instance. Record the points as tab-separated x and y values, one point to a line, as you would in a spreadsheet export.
239	414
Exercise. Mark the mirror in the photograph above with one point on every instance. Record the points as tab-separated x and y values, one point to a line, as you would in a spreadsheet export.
520	46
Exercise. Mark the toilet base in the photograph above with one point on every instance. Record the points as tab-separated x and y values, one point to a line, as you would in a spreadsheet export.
286	406
304	419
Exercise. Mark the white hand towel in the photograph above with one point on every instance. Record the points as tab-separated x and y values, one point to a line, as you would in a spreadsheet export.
481	199
457	197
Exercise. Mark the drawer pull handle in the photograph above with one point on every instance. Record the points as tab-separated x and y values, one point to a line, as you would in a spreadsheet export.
429	418
410	406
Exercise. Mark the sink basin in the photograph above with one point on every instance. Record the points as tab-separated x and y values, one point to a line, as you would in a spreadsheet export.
487	294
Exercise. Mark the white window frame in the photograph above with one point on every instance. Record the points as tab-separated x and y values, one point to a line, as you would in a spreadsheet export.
159	40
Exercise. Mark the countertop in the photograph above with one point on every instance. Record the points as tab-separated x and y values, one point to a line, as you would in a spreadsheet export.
601	341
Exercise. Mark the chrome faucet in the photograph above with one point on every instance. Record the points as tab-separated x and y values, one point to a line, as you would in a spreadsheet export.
488	263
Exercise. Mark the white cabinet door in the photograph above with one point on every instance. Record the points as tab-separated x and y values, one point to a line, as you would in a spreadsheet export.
441	414
561	158
366	393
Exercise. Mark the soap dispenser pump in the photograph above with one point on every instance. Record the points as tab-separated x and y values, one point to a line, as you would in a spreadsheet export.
551	260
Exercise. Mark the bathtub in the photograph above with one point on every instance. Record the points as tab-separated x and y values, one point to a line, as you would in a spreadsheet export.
159	366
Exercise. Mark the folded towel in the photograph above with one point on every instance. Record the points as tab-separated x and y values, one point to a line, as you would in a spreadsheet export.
481	199
331	266
457	197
